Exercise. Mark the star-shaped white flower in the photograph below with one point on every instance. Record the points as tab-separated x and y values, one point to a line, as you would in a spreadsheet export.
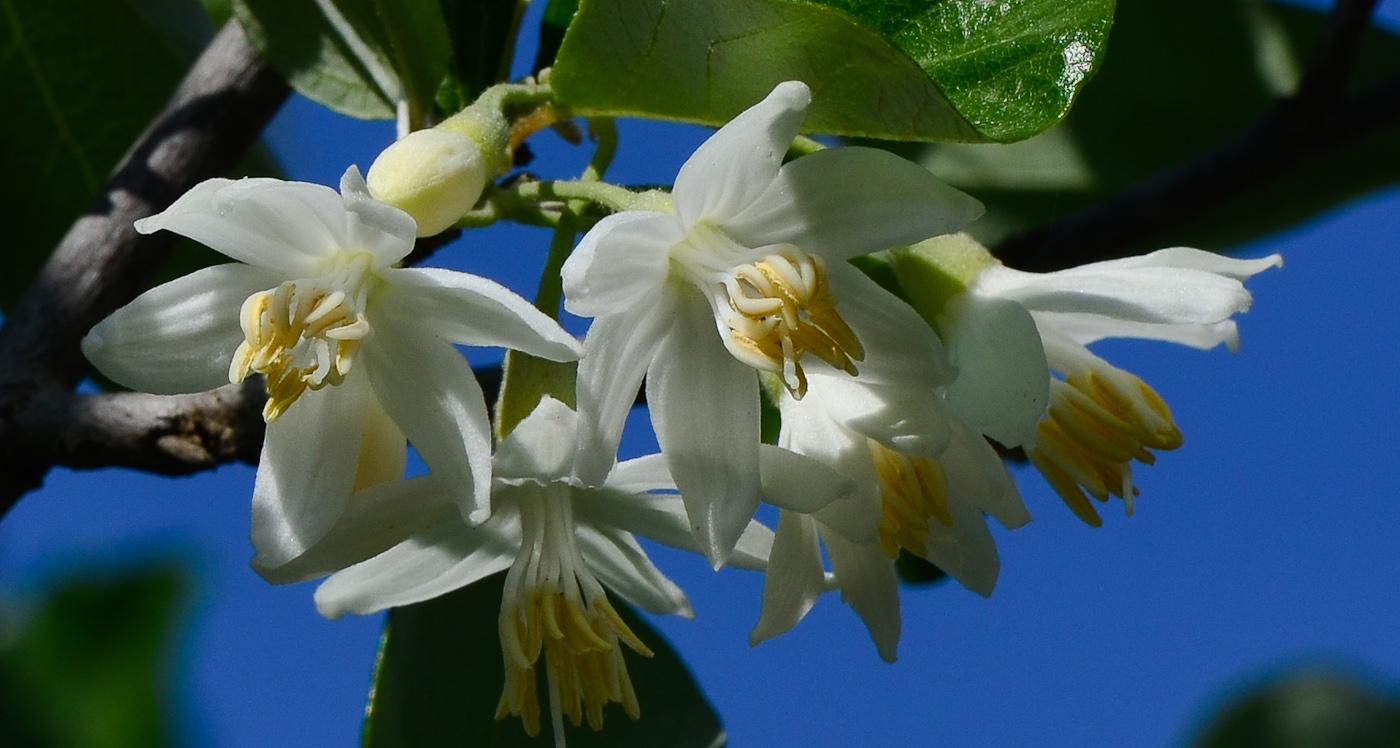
1026	377
562	543
748	273
907	497
358	353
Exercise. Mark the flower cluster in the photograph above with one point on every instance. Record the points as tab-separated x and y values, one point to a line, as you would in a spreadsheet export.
735	287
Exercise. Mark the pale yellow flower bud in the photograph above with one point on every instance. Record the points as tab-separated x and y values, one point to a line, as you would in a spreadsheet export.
435	175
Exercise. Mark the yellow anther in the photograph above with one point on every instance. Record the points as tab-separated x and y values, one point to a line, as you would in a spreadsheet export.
779	309
913	492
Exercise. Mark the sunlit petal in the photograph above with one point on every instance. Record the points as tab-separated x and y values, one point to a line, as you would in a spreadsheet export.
619	261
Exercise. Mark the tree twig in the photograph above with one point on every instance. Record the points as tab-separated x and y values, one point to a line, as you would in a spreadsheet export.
1315	121
211	120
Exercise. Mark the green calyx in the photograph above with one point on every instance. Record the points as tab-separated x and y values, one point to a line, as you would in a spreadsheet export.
936	270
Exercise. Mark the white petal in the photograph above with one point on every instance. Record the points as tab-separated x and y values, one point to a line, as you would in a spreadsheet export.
642	474
808	431
623	566
616	354
374	520
795	577
619	260
966	550
799	483
1197	259
845	202
178	337
444	558
1089	328
704	409
371	226
429	390
731	169
307	470
281	226
466	309
900	347
541	447
869	585
662	518
1003	382
912	421
976	475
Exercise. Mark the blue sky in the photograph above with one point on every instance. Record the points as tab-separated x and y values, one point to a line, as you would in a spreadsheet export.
1264	544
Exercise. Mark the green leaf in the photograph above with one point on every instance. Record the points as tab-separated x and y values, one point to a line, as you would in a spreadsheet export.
558	14
961	70
1179	78
358	57
87	670
483	41
1306	711
439	677
78	81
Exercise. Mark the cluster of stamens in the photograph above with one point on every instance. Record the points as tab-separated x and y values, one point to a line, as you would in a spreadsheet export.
553	606
913	492
1094	429
779	308
303	334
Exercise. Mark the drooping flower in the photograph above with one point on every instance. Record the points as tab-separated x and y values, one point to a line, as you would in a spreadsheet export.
358	353
1025	375
929	502
748	274
561	543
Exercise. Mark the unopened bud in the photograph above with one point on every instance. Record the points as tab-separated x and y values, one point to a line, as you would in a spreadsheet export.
434	175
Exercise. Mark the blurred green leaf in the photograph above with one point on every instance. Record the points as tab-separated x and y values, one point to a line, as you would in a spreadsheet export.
79	81
558	14
1179	77
1307	711
439	677
86	670
483	36
962	70
358	57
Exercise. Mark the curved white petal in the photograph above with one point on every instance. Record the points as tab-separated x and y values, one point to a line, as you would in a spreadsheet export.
616	354
844	202
1089	328
434	562
1003	382
641	474
662	518
795	577
623	566
731	169
809	431
178	337
799	483
867	580
908	420
900	347
704	409
966	550
429	390
466	309
307	470
1199	259
619	260
374	520
977	476
371	226
541	447
282	226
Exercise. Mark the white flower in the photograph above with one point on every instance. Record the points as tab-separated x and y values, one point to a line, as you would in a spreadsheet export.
906	498
749	273
561	543
358	353
1011	330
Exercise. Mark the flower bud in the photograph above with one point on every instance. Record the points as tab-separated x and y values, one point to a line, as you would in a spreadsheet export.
434	175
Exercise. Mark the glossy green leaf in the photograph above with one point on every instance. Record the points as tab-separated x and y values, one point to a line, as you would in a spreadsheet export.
78	81
358	57
1307	711
87	670
961	70
1179	77
439	677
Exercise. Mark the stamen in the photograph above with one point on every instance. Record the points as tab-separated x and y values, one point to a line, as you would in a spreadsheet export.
304	334
913	492
778	309
1096	425
553	606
